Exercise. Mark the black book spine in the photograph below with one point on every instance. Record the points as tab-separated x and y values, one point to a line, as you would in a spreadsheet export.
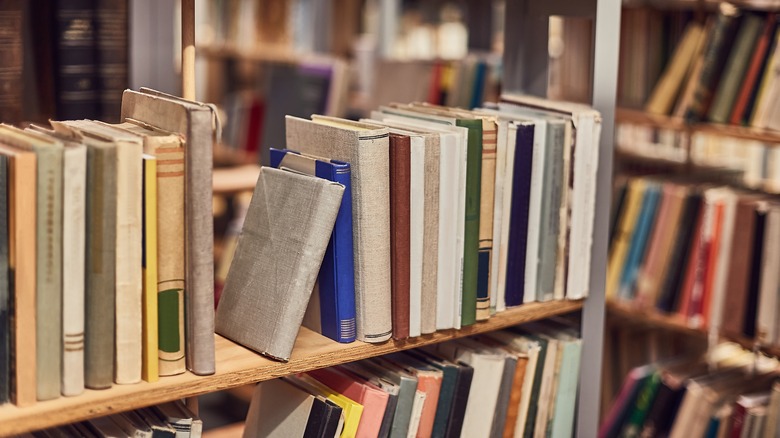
681	252
387	419
463	387
11	60
316	422
112	55
518	229
76	60
749	325
332	418
5	290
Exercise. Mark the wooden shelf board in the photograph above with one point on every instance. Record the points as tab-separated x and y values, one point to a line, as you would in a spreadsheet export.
238	366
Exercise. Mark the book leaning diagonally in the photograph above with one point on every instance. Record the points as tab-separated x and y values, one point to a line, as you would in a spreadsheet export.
198	125
365	148
277	259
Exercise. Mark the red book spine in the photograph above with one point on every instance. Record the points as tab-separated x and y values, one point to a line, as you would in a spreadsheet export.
754	70
400	182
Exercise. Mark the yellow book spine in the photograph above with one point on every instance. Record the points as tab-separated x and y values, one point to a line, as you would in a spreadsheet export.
150	369
623	234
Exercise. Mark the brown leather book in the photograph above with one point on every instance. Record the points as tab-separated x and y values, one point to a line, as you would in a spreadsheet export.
400	186
739	270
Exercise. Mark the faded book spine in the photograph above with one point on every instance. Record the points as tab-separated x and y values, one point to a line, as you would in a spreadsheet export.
101	267
73	248
430	262
471	232
5	283
487	190
150	354
170	260
549	228
49	273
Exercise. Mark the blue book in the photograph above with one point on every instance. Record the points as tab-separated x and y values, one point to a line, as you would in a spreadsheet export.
518	225
636	251
335	290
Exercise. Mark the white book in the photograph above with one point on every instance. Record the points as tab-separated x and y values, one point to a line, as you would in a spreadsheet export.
417	407
534	211
128	333
766	322
74	204
452	208
723	262
498	299
416	237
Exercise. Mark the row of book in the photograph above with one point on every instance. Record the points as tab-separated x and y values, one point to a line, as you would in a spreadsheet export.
446	217
517	382
168	420
727	394
723	71
107	250
703	252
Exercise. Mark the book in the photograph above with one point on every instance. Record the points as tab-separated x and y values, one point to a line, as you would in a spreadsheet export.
429	381
618	413
362	372
620	246
400	188
323	419
335	290
754	69
639	241
416	235
128	322
21	206
486	198
407	387
360	145
497	295
48	296
76	64
450	372
766	324
301	232
767	87
353	411
74	171
100	296
111	41
150	370
132	424
196	123
6	304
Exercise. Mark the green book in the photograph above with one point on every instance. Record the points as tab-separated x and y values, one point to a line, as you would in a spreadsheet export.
642	405
736	66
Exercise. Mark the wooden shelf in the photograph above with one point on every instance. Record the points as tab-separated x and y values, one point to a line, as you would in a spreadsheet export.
238	366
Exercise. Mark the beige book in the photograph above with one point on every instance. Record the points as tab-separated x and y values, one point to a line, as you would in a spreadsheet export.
168	148
366	148
766	320
278	409
487	191
694	71
128	305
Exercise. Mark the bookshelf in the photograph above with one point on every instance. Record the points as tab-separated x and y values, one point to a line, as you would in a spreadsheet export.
237	366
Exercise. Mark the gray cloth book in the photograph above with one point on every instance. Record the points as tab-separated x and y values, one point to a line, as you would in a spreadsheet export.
277	259
198	125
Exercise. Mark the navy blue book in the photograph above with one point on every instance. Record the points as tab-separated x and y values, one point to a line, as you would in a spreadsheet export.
518	221
334	294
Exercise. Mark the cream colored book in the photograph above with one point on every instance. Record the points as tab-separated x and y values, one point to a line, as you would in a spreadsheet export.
497	297
366	148
129	220
487	191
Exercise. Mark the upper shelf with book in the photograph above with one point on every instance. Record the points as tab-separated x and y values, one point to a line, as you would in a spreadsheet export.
238	366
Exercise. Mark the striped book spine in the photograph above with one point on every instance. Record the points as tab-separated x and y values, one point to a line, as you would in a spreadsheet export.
489	136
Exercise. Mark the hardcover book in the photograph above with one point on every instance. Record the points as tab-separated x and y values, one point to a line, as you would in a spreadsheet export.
334	317
400	189
283	244
5	285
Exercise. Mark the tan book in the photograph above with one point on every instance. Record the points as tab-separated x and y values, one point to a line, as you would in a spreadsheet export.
686	97
169	150
48	224
129	284
21	262
487	190
366	148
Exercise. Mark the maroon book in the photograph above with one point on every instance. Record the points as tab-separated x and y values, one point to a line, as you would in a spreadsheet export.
400	182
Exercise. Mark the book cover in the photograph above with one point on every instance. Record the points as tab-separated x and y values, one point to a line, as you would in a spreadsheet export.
366	148
754	69
198	125
497	297
639	242
681	252
620	246
335	290
416	236
429	381
278	409
487	192
400	187
761	97
150	370
519	216
48	295
755	274
283	242
352	410
6	303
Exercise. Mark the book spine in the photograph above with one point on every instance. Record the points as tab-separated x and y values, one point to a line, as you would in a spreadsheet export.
199	232
645	222
49	274
112	54
101	268
487	190
518	230
564	213
416	234
550	213
400	173
471	232
497	300
337	279
459	401
73	286
11	60
535	200
150	353
755	68
170	287
76	65
430	262
5	283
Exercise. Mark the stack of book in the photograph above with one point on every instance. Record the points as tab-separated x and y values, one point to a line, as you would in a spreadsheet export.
723	71
518	382
703	252
169	420
472	212
730	394
110	272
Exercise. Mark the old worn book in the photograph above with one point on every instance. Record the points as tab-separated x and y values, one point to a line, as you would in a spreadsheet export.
129	205
400	188
278	409
150	370
100	258
170	287
352	410
283	243
407	387
497	299
758	59
74	186
6	303
429	381
366	148
197	124
48	297
766	321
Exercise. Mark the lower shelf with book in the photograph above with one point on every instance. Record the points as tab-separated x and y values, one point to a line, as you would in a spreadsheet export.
238	366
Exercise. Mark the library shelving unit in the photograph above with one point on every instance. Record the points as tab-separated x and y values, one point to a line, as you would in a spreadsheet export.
525	70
